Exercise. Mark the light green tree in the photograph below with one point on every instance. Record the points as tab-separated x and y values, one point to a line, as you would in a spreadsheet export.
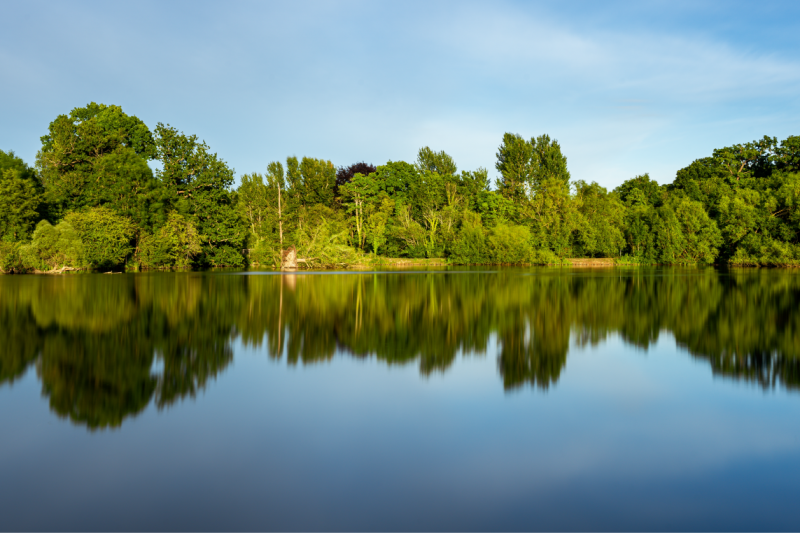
106	236
438	162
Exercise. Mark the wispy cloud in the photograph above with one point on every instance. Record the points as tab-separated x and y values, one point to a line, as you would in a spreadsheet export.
622	90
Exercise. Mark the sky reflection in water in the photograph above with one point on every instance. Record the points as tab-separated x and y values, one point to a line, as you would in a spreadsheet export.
520	399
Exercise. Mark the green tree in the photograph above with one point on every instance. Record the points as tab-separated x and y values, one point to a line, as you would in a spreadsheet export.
253	203
600	229
548	161
516	166
53	247
469	246
510	244
196	183
526	165
438	162
95	156
319	181
376	224
19	205
553	215
175	244
362	196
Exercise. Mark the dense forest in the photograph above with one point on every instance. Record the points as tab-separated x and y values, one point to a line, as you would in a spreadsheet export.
107	193
171	335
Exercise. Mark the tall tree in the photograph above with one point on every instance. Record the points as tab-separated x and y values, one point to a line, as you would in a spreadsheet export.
345	174
97	155
516	166
548	161
319	179
438	162
196	183
19	205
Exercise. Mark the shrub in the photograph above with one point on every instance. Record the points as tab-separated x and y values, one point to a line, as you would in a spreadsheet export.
53	247
10	259
469	246
175	244
510	244
106	236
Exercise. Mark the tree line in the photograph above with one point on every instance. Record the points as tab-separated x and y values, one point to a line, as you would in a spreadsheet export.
108	193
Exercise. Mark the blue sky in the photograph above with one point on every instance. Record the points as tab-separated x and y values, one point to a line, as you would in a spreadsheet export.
626	88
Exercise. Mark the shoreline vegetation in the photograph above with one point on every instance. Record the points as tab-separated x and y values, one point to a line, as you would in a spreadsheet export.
108	194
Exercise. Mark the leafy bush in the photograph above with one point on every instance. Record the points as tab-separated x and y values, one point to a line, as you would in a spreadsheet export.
10	259
323	240
546	257
510	244
53	247
106	236
175	244
265	253
469	246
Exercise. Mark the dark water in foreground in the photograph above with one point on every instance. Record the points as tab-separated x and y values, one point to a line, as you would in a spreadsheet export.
515	399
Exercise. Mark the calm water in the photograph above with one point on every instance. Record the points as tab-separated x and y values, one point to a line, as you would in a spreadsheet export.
511	399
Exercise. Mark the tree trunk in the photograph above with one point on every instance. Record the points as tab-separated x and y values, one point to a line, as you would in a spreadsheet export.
289	259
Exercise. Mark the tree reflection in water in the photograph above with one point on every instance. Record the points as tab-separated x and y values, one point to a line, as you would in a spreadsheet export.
95	339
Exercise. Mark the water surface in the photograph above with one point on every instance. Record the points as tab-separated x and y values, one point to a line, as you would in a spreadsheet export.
463	399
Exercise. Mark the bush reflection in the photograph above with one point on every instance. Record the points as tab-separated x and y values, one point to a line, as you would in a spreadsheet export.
104	347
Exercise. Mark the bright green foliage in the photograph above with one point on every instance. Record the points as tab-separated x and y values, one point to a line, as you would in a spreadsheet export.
640	190
495	208
438	162
740	206
684	233
261	201
97	155
548	161
106	236
510	244
323	240
363	196
20	198
526	165
516	164
470	246
319	178
53	247
640	196
408	233
600	228
751	190
196	183
253	202
19	205
400	180
175	244
473	186
376	224
8	160
11	261
535	184
308	182
553	216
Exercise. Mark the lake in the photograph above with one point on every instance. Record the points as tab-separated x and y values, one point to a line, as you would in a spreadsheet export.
469	399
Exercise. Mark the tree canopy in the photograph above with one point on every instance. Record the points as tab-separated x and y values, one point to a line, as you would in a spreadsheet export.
163	198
